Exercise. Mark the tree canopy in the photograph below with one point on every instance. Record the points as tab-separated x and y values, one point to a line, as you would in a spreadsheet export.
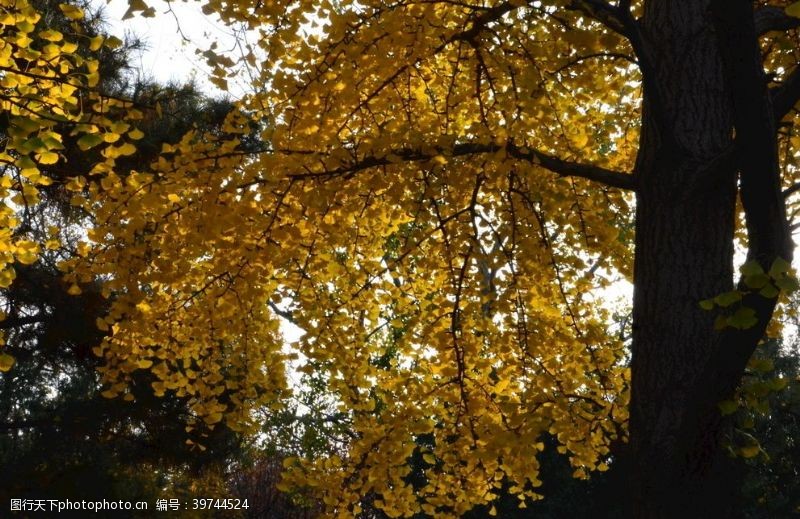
439	194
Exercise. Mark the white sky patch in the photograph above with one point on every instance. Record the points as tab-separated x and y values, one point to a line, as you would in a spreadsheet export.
171	38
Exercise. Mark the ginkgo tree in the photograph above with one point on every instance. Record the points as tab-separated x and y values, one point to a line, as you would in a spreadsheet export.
464	178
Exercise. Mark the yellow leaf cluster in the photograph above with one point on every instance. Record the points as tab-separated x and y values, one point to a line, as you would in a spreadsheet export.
48	95
397	207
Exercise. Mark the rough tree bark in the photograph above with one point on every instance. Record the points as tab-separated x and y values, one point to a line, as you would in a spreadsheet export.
703	84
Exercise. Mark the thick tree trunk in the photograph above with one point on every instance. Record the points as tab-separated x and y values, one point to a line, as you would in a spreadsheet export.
686	207
708	120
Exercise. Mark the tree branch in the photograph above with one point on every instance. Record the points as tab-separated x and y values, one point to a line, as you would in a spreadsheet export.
563	168
794	188
605	13
566	168
620	20
15	321
782	98
770	18
480	22
768	232
756	143
579	59
286	314
26	424
785	96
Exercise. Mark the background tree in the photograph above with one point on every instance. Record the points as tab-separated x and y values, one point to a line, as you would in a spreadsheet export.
769	483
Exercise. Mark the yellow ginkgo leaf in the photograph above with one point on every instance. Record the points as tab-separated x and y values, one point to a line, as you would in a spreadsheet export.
6	362
72	12
750	451
47	157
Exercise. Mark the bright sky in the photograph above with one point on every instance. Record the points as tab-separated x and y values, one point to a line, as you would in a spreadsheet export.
169	56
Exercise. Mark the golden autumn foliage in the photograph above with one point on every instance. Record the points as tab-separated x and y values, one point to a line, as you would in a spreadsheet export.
440	184
400	193
48	96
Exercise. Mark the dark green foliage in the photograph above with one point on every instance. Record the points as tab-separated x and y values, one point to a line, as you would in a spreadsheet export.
772	482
